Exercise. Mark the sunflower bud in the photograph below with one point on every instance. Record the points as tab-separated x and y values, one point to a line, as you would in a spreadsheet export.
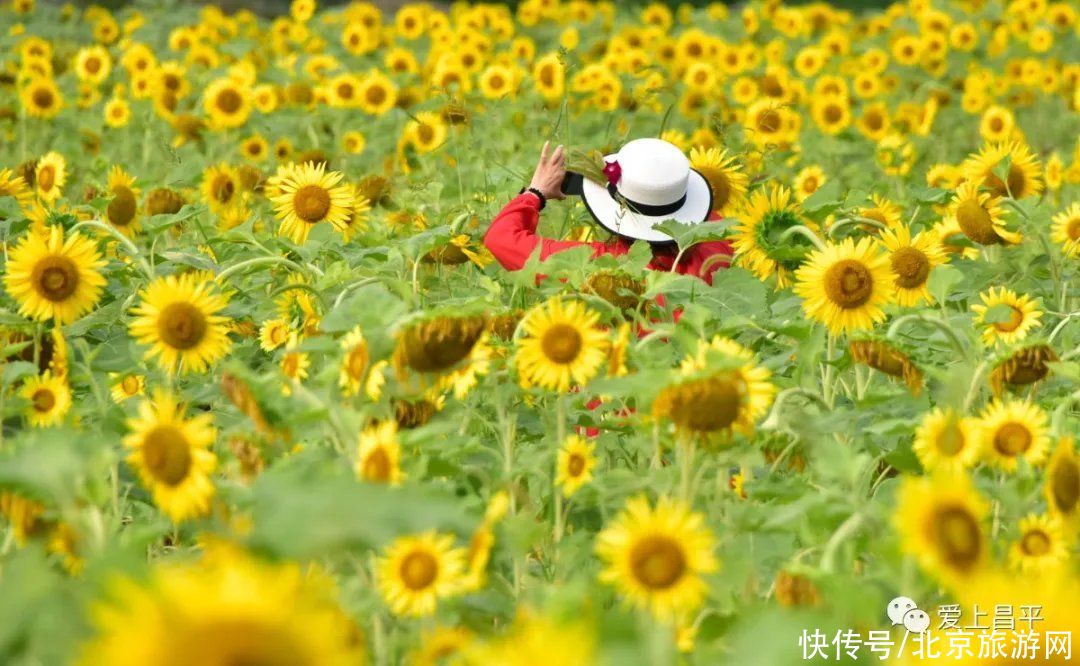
163	201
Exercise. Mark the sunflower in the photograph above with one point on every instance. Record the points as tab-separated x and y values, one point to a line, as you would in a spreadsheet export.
14	186
309	195
1011	430
41	98
997	124
574	464
55	278
561	344
379	455
355	364
753	380
655	556
1062	482
944	176
535	640
122	210
887	358
1066	230
497	81
1022	366
49	397
549	76
1024	172
227	102
980	216
808	180
883	211
437	344
416	571
1005	317
126	385
912	260
226	608
50	175
1041	546
763	219
294	364
939	520
946	441
178	319
117	113
874	122
426	132
92	64
377	94
353	142
846	285
172	456
726	178
221	187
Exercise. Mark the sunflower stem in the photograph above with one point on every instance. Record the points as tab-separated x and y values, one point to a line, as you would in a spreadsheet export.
804	231
973	388
846	530
941	325
257	261
773	420
560	434
827	388
133	249
855	219
686	458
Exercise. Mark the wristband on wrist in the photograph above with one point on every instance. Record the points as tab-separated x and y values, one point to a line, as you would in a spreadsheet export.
538	193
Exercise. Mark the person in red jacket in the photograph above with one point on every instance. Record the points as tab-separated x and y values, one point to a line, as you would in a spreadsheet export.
649	181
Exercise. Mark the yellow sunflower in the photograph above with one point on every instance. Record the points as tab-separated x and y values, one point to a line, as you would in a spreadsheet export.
273	334
221	188
426	132
415	572
92	64
831	113
49	397
980	216
123	209
41	98
946	441
846	285
1061	486
997	124
1006	318
883	211
294	364
1011	430
172	456
355	364
808	180
117	113
939	520
226	608
178	319
55	278
126	385
574	464
377	94
726	178
14	186
752	381
309	195
562	344
536	640
1023	179
1066	230
763	219
378	458
227	102
1041	545
656	556
50	175
912	260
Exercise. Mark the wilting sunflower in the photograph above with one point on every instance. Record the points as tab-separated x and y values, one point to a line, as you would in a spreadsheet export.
980	216
355	363
227	102
273	334
379	455
123	209
226	608
437	344
912	260
1041	545
172	456
221	187
163	201
126	385
1066	230
41	98
726	178
50	175
1024	175
655	557
939	520
49	397
947	441
561	344
416	571
1011	430
885	357
55	278
846	285
309	195
178	319
574	464
1061	486
1005	317
763	219
1022	366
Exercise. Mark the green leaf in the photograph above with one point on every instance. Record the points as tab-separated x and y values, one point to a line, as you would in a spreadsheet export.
688	235
942	280
997	314
828	196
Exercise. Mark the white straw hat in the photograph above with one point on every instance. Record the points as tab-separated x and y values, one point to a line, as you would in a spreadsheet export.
651	182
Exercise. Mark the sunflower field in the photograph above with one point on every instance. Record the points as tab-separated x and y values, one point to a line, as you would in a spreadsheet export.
268	399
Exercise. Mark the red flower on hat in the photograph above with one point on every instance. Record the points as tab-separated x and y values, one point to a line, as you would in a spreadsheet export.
613	172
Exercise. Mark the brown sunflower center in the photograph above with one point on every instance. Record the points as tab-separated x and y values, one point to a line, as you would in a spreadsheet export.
182	325
290	365
1065	485
657	562
833	113
345	91
130	384
167	454
44	400
957	536
377	466
55	277
92	65
976	222
910	266
223	188
121	210
849	284
356	362
874	121
575	465
1035	543
704	405
1012	439
419	570
426	133
1016	317
810	183
375	95
43	98
996	124
1015	184
312	203
561	343
229	101
768	121
1072	229
46	177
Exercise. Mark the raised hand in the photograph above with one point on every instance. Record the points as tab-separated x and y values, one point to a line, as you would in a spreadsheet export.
550	171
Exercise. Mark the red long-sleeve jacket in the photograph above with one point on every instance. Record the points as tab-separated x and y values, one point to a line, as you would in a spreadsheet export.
512	238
